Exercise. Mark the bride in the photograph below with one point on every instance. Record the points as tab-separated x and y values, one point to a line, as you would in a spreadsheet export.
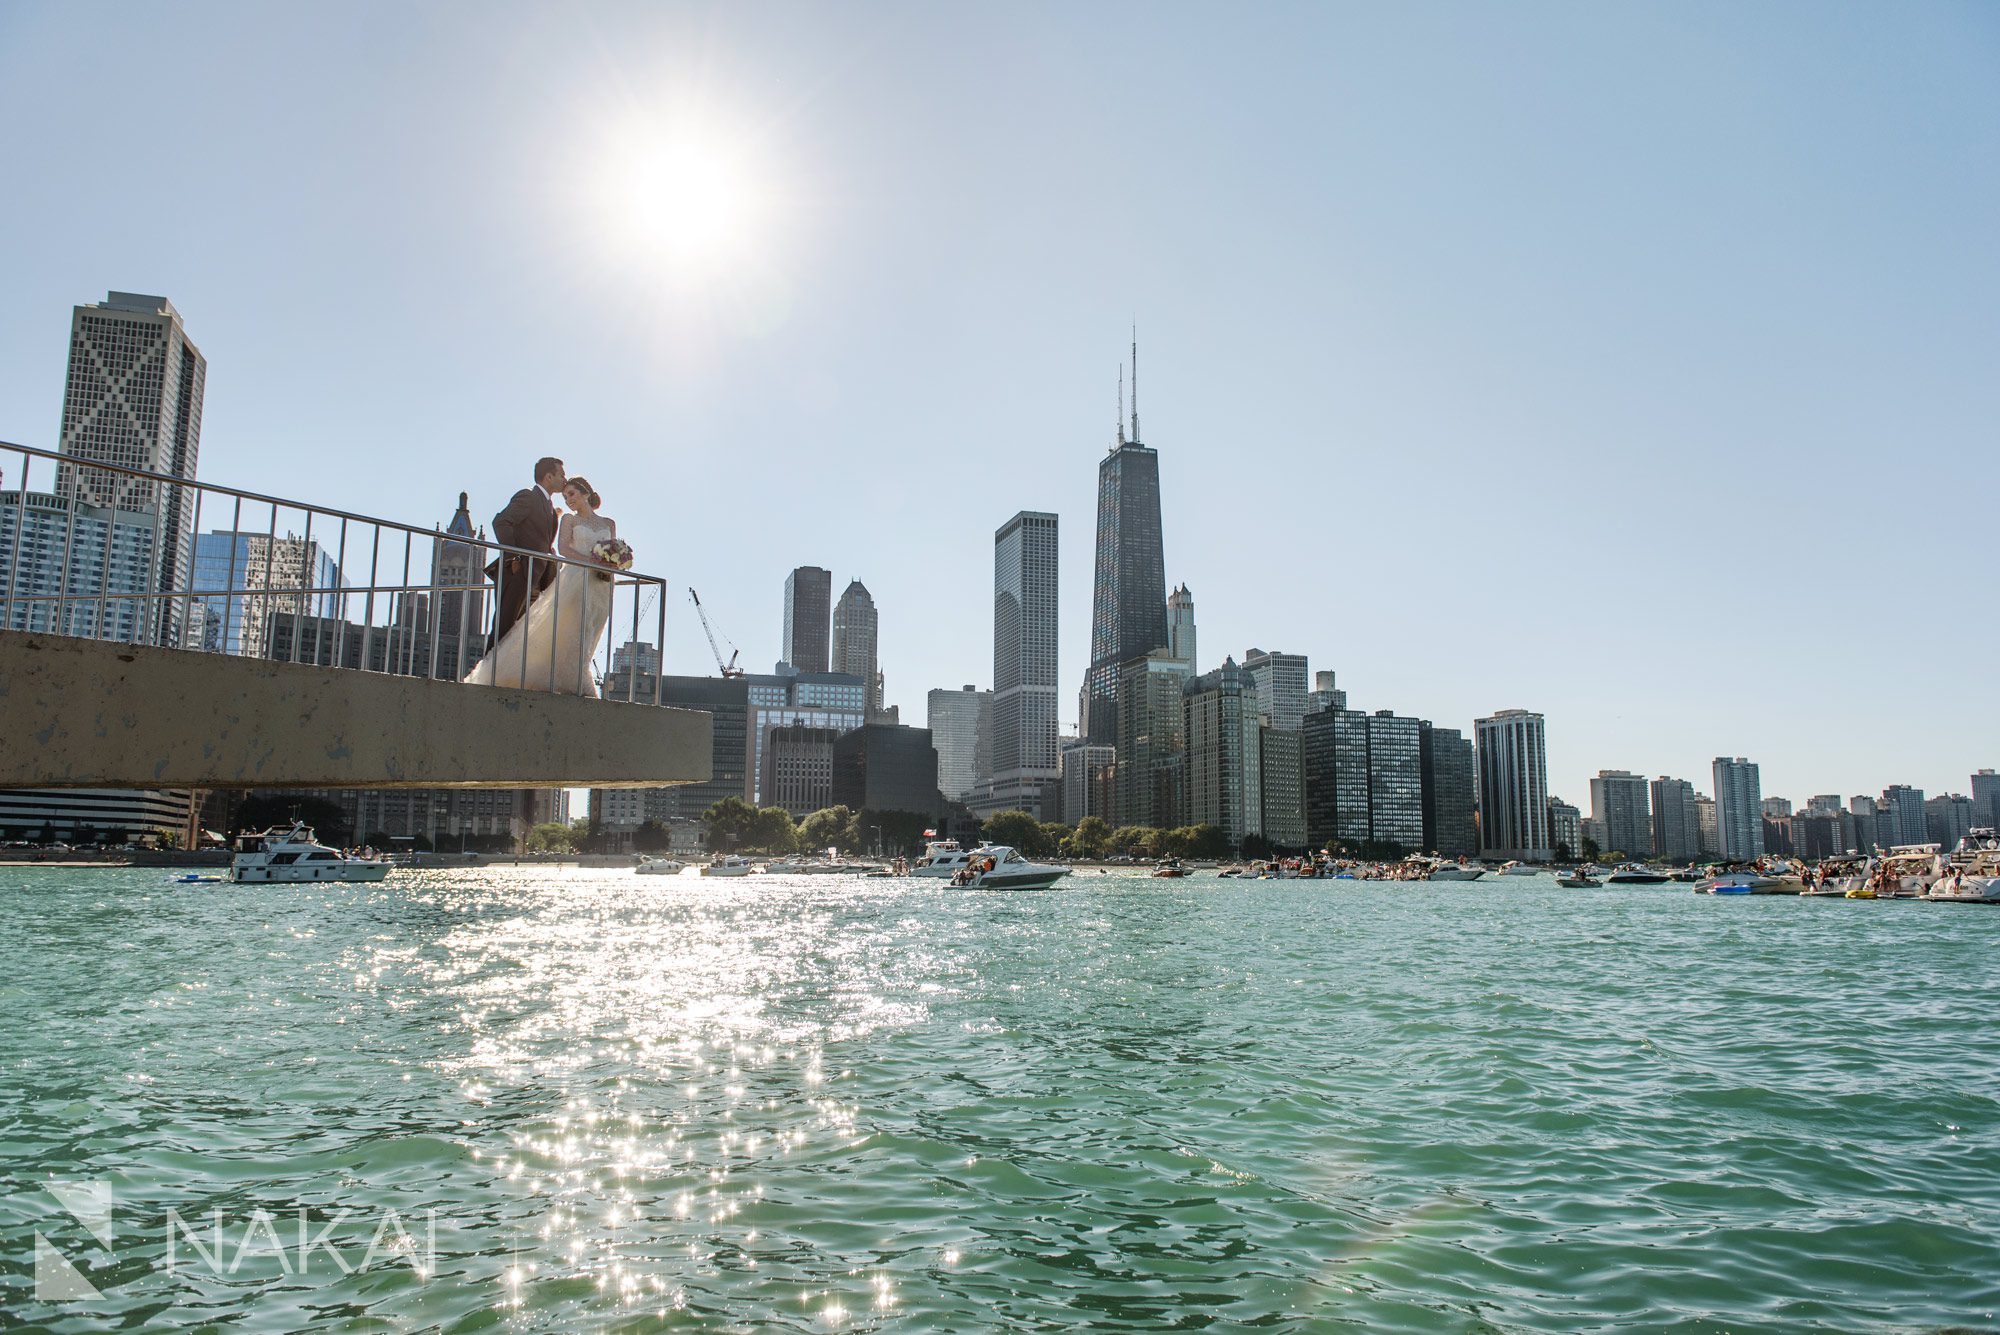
550	648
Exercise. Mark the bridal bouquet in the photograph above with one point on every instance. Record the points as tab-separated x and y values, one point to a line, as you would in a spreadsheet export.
614	552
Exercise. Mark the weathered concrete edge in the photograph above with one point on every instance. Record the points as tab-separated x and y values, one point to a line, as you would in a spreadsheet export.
78	713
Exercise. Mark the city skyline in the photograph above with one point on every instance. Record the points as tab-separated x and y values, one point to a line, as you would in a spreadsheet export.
1556	376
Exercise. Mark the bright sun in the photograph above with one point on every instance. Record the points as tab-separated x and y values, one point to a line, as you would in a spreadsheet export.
690	203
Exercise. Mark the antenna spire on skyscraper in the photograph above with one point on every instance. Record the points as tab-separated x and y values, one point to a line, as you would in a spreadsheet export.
1121	403
1135	383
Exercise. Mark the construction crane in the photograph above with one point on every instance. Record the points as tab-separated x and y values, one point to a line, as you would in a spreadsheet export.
729	669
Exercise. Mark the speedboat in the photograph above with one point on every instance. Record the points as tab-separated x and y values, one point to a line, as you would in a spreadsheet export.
998	867
1838	877
294	855
1746	880
660	867
1577	881
1519	869
1632	873
1171	867
1907	872
728	865
1456	871
1973	874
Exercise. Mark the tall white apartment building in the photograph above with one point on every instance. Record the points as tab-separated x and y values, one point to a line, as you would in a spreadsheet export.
1514	786
1739	809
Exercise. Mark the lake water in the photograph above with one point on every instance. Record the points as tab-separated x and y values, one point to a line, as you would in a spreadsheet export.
584	1100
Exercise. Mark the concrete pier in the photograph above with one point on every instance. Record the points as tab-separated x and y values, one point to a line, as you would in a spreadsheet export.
77	713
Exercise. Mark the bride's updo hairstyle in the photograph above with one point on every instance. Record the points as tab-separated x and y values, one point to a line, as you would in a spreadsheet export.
582	484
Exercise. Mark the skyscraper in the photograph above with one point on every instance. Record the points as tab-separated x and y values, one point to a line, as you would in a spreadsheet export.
462	601
1618	802
1324	695
1986	799
1025	689
1180	626
1451	829
1128	605
854	641
960	724
1565	829
1281	686
1151	749
1364	779
1513	786
1903	809
238	619
1739	809
1225	786
1947	819
808	604
1676	823
133	397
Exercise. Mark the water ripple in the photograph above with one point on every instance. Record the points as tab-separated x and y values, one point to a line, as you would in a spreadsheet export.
591	1101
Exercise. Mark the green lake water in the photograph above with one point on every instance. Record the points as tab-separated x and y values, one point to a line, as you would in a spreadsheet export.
586	1101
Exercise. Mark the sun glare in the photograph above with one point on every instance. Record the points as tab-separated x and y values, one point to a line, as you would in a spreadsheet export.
689	202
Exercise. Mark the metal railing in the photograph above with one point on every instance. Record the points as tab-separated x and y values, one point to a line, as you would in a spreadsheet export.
115	552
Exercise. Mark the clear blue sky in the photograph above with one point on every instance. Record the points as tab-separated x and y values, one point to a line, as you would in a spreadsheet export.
1635	364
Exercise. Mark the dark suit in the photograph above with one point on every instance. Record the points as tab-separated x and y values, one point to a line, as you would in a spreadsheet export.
528	521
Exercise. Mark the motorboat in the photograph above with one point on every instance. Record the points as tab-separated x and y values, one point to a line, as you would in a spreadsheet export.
1633	873
192	879
1907	872
295	855
728	865
660	867
1171	867
1443	869
1577	881
1684	874
1519	869
942	858
1837	877
1750	879
1972	876
998	867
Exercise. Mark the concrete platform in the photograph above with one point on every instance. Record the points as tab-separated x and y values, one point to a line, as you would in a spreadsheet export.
80	713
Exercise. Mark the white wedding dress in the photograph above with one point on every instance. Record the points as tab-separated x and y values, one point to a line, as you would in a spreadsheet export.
550	648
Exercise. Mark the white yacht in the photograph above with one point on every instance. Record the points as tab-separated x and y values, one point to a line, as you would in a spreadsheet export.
1455	871
660	867
998	867
1839	875
942	857
728	865
294	855
1632	873
1909	871
1972	876
1520	869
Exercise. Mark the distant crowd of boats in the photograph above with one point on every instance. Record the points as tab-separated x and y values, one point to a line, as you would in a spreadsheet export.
1969	874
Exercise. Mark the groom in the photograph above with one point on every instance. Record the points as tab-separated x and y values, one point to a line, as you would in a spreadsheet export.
528	521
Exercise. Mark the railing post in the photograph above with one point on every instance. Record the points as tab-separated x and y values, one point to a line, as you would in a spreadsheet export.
187	594
308	579
339	657
229	588
660	677
61	625
20	528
